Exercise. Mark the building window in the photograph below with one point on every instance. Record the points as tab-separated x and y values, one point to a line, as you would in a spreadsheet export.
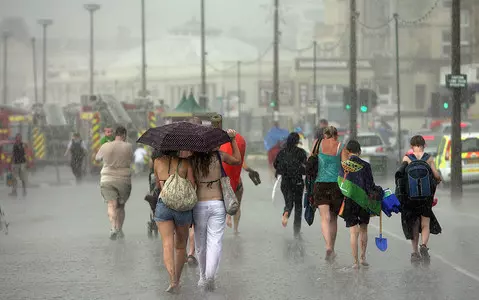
384	89
420	96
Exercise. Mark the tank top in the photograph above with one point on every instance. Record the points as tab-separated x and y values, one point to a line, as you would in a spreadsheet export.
329	165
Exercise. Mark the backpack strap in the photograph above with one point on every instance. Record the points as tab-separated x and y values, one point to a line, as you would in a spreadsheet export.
178	166
425	157
169	166
340	148
223	173
316	147
412	157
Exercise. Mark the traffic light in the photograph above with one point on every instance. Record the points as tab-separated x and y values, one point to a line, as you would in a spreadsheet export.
368	99
273	103
346	98
445	102
440	105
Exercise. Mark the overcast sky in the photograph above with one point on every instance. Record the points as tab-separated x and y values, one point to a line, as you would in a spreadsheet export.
72	20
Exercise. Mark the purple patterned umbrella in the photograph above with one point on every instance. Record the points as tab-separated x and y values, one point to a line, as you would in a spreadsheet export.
184	136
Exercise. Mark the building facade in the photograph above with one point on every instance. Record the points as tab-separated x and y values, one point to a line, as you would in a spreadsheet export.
424	45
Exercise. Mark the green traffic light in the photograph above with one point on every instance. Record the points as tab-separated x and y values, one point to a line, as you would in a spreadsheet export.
348	107
446	105
272	104
364	108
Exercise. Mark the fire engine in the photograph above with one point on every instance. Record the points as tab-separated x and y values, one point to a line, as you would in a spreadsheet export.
14	121
91	116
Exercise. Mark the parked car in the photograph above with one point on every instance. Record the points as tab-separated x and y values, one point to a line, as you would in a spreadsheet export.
376	151
445	128
470	157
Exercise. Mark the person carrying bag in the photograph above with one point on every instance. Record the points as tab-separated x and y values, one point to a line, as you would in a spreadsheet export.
229	196
178	193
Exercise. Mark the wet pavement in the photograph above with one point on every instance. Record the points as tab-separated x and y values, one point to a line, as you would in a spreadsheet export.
58	248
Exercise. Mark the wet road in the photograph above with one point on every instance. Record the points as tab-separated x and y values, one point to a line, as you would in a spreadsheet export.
58	248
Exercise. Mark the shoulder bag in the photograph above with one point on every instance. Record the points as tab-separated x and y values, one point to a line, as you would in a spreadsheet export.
229	196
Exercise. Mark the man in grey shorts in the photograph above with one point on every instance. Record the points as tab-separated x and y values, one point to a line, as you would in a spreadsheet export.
115	182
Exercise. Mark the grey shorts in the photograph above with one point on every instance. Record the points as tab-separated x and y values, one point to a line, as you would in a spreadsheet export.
119	191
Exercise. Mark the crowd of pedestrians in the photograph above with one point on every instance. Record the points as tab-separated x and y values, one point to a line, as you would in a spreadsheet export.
329	165
189	200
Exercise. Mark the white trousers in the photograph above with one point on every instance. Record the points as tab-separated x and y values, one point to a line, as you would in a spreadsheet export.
210	219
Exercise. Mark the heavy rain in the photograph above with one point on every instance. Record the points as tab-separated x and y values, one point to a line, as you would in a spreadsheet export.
239	149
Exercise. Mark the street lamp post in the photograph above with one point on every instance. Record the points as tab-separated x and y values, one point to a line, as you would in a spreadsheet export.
238	88
45	23
315	82
203	100
5	37
91	9
456	144
276	61
353	113
34	61
143	51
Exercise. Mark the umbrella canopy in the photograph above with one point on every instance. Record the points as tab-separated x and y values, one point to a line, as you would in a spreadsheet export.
274	136
184	136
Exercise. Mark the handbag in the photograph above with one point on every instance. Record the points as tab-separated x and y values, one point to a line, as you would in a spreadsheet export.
312	162
308	202
177	192
229	197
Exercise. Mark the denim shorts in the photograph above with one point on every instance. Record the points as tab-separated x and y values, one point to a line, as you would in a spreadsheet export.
180	218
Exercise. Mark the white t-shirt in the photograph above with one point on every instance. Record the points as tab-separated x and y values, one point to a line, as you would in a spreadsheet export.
140	154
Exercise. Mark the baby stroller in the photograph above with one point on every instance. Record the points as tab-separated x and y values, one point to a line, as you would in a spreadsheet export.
152	198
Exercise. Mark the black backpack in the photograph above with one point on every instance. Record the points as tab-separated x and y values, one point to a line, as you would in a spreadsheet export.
77	149
420	180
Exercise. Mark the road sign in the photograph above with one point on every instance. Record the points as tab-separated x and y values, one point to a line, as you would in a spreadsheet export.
456	81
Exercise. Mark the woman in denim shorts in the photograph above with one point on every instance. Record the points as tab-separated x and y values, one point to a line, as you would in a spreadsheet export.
171	222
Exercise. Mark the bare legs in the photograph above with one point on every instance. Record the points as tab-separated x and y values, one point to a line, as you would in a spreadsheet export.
359	232
237	216
191	240
112	213
425	232
329	227
363	240
420	253
174	267
120	216
116	214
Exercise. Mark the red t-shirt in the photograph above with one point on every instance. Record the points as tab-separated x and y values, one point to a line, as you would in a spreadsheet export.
234	172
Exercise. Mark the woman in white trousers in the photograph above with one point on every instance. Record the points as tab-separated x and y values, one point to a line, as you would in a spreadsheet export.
209	214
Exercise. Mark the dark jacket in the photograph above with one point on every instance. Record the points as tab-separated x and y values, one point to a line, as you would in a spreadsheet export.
290	163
